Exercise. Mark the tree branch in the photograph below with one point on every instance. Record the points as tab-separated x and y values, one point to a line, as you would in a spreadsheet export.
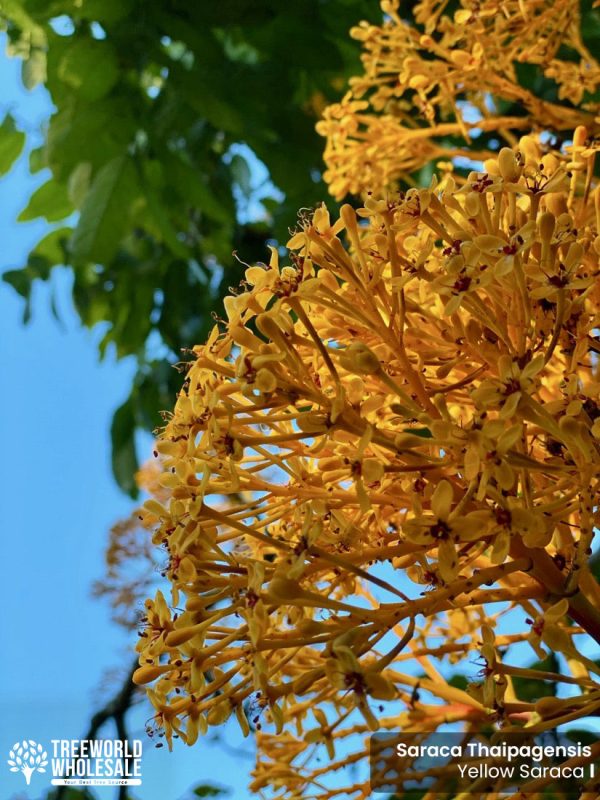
116	710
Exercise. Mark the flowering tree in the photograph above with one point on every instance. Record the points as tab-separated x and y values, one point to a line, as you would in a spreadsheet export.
385	458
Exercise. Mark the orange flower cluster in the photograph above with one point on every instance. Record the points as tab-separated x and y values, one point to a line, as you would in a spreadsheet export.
431	89
401	422
131	560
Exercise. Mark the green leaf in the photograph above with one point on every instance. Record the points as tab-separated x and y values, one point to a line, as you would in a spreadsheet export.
208	790
594	565
241	174
19	280
124	459
105	213
424	433
590	25
37	159
531	689
52	247
209	100
583	736
79	183
14	10
90	67
33	69
459	681
185	307
48	252
101	131
155	391
105	11
50	200
197	192
11	144
270	204
164	229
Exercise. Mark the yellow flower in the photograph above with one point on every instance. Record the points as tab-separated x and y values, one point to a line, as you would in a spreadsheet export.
506	391
352	423
440	527
434	84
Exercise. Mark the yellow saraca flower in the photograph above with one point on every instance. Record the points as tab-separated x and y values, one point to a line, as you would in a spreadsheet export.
434	84
359	465
445	529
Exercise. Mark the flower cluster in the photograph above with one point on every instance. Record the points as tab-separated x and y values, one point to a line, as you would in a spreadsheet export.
402	421
447	85
132	566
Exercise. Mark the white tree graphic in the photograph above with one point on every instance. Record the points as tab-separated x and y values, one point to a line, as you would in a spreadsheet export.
27	757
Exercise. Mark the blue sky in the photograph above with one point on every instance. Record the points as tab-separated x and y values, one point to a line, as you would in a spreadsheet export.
59	500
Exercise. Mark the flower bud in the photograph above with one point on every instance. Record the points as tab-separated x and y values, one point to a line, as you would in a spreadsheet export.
472	204
181	635
549	707
149	673
360	360
283	589
507	163
547	223
372	470
265	381
219	713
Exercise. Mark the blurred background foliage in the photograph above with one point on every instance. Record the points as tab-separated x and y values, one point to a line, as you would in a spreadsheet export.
164	111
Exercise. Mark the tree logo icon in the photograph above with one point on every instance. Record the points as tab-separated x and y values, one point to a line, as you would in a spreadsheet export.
27	757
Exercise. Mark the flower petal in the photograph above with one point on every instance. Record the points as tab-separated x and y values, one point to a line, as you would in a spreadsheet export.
441	500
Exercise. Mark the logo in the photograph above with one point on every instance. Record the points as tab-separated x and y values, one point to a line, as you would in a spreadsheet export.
81	762
27	757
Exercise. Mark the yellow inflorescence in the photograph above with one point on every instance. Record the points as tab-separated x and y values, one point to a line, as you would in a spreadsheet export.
402	421
430	89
